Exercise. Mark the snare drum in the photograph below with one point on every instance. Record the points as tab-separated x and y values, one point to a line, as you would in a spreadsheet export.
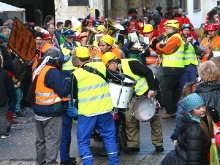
122	92
145	109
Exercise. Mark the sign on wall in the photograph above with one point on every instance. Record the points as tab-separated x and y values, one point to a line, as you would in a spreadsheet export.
78	2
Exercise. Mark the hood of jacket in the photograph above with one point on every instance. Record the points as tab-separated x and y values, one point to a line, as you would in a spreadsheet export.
204	87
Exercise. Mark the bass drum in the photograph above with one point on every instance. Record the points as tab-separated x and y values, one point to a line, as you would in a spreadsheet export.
122	92
145	109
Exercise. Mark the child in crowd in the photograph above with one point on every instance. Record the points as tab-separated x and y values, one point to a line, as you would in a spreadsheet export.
4	81
195	134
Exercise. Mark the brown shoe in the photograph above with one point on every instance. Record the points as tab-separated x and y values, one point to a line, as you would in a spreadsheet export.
166	116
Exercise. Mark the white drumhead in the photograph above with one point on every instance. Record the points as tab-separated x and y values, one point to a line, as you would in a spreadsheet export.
127	80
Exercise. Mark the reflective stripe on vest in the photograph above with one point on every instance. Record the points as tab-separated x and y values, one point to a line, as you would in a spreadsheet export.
190	56
43	94
93	91
68	65
142	86
177	59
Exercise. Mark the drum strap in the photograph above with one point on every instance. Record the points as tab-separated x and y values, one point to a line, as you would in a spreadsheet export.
94	71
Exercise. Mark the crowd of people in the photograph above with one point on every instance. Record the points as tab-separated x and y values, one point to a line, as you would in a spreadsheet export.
68	80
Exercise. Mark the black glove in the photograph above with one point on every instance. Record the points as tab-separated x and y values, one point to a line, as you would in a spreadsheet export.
146	53
153	44
130	44
160	38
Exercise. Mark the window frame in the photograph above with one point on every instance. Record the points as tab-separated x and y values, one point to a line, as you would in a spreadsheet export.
199	6
185	8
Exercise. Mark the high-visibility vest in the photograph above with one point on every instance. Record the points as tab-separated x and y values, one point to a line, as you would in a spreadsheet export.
116	51
36	58
142	86
177	59
215	45
190	55
68	65
93	92
43	94
153	58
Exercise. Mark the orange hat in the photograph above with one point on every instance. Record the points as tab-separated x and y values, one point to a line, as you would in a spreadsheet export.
84	34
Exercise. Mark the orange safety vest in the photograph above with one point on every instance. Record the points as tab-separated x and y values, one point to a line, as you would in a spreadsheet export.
215	42
116	51
152	59
36	58
43	94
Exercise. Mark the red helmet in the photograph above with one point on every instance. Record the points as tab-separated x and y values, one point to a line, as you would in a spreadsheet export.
211	27
46	36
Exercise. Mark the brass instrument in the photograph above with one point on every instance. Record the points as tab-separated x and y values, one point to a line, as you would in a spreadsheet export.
199	51
112	27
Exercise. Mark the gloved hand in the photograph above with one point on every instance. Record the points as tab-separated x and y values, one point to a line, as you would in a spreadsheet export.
153	44
120	76
130	44
71	110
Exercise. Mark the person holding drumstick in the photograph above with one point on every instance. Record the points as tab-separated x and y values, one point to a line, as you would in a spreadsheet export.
145	87
90	88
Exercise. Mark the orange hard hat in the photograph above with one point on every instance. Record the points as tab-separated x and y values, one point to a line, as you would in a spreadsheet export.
46	36
211	27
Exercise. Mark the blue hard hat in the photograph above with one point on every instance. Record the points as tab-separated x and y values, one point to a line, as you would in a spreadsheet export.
69	33
185	26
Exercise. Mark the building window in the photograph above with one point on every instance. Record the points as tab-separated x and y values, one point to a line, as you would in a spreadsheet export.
218	3
169	3
183	5
196	4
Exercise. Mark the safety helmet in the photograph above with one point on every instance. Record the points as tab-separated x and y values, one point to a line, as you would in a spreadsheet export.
148	28
101	28
46	36
211	27
69	33
107	39
108	56
82	52
185	26
172	23
83	34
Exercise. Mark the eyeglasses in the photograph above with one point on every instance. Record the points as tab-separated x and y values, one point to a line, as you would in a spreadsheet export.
147	33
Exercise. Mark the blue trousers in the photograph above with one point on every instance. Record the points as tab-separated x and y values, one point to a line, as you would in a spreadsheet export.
105	125
19	98
12	99
65	138
188	76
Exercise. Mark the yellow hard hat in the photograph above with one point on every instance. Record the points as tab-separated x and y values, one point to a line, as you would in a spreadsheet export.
108	56
148	28
107	39
172	23
82	52
101	28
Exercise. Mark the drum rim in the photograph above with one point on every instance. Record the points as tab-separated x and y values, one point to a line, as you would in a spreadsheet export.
140	99
124	83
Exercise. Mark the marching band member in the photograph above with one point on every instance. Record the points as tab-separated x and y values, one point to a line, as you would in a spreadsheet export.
152	61
210	43
89	86
83	38
191	61
173	64
68	51
105	45
145	87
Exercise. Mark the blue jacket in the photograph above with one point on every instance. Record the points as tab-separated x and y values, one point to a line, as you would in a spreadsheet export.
8	65
179	114
54	79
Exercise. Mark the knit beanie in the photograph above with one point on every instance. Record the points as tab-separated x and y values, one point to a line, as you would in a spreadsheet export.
38	34
192	101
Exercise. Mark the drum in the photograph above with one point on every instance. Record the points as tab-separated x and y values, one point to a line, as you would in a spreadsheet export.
122	92
146	109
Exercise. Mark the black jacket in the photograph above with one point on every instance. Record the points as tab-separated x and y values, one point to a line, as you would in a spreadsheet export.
192	148
210	92
4	81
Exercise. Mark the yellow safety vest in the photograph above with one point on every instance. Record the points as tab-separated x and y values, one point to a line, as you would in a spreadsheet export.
190	56
93	92
68	65
177	59
142	86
